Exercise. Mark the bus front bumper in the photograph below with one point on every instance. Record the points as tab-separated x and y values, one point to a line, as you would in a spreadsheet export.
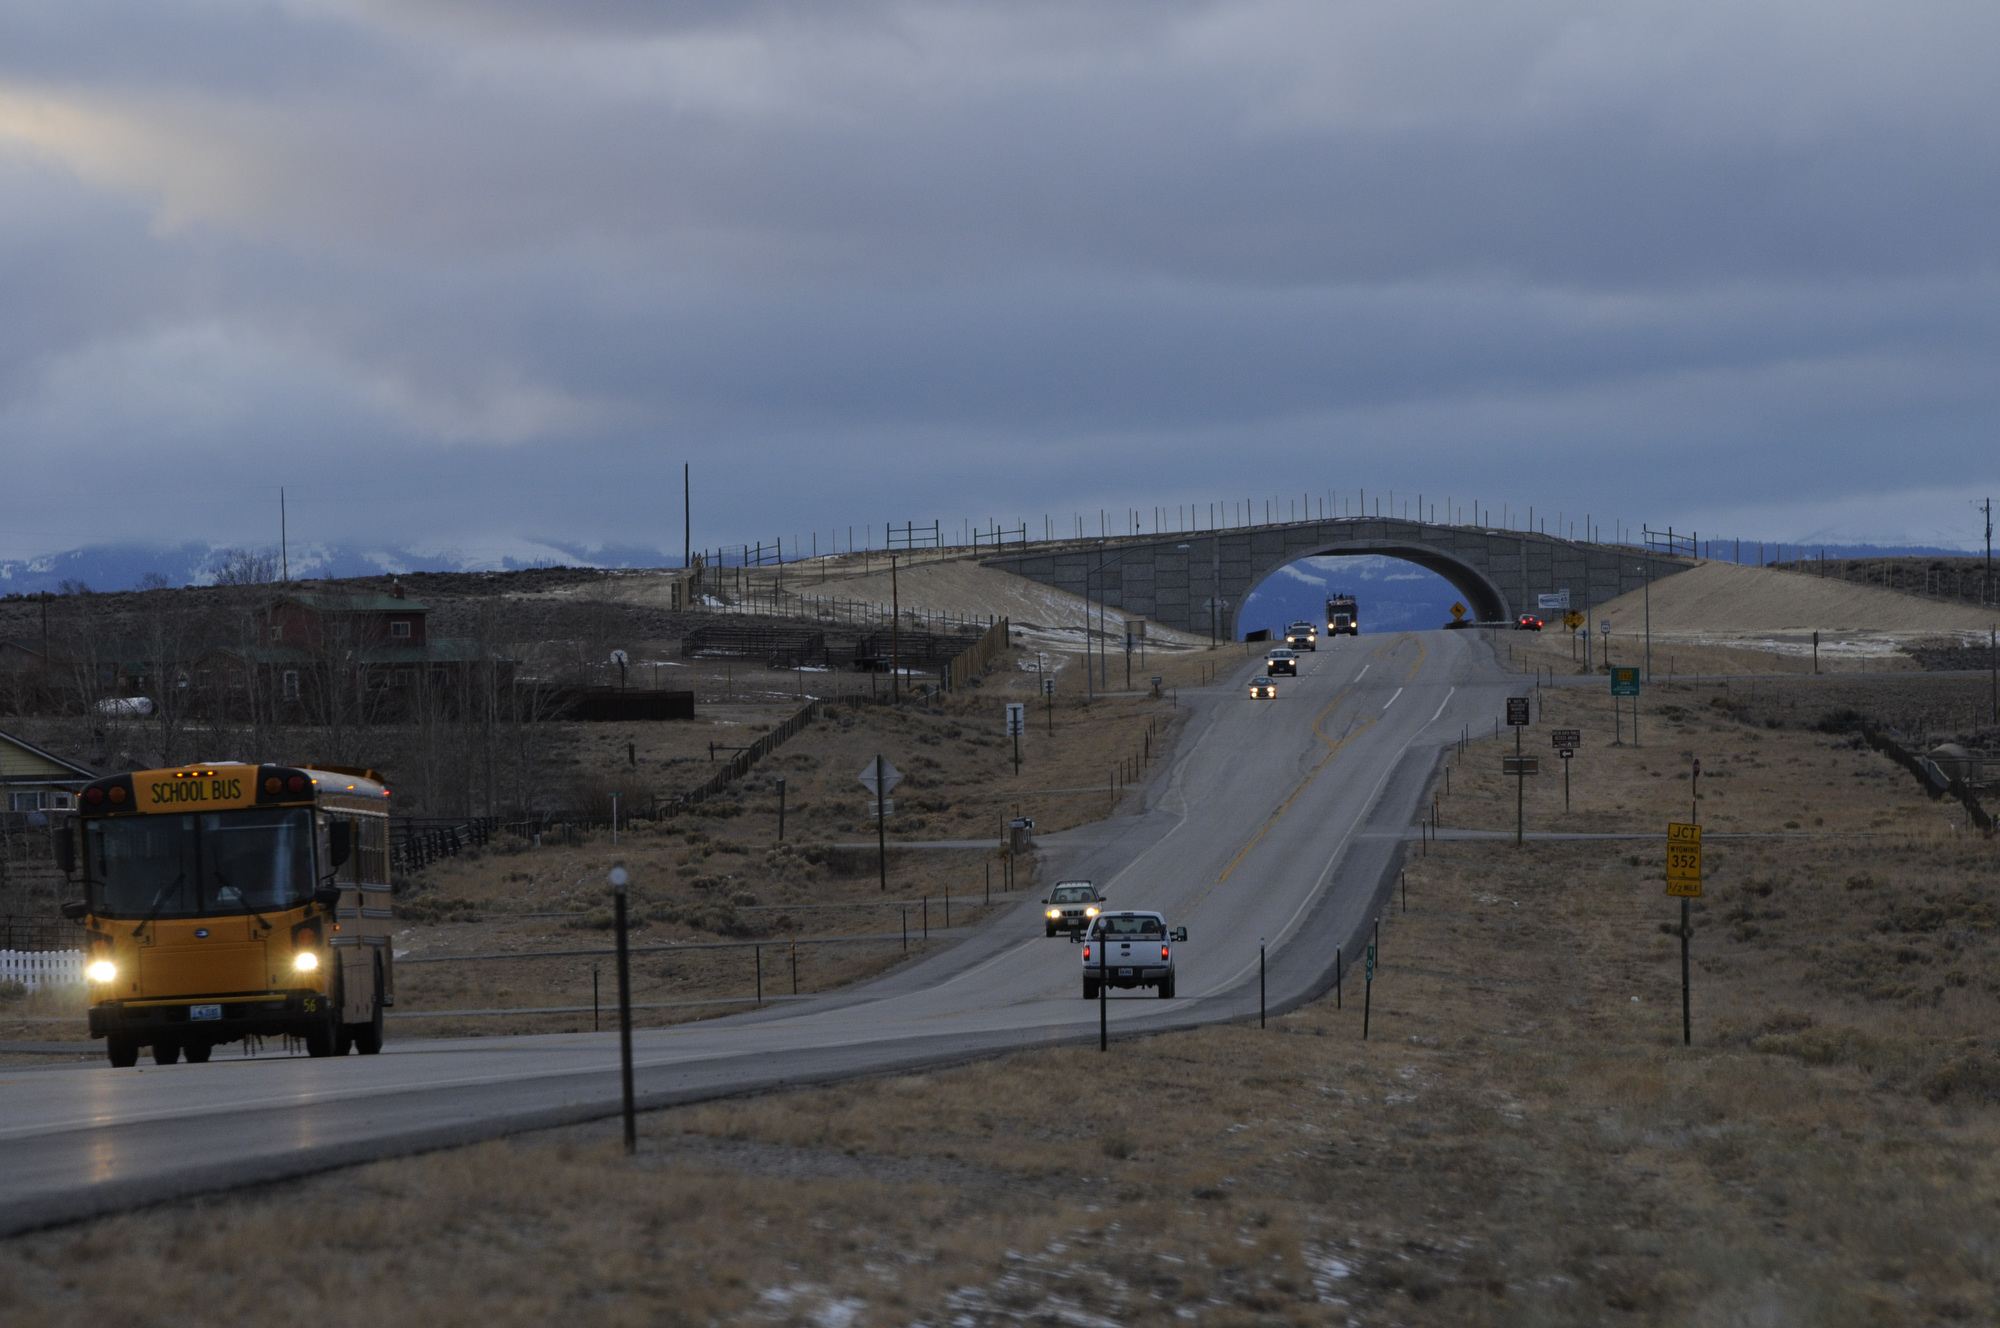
216	1018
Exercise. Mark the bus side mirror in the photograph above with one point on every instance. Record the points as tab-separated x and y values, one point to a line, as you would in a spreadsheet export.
339	841
327	896
1180	934
76	909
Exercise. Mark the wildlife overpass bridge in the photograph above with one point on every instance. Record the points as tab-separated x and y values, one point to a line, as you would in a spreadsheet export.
1198	581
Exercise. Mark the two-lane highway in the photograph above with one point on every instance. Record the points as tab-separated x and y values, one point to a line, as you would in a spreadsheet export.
1278	821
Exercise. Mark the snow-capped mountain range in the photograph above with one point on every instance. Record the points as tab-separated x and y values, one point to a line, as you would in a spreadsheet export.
105	567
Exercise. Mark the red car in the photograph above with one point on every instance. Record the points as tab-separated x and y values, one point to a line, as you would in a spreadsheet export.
1527	622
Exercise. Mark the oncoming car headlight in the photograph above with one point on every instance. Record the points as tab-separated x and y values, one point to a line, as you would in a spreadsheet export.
1055	912
103	970
1090	912
305	961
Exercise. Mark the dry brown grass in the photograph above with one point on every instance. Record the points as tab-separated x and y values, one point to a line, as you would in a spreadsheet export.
1523	1139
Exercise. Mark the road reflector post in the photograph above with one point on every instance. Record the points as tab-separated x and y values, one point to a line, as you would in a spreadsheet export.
1684	883
757	953
1260	982
1367	992
1336	978
618	879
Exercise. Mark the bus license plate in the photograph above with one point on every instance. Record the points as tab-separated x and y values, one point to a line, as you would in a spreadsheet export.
1124	972
204	1012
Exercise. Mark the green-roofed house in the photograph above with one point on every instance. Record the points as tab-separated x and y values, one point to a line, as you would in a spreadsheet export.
36	781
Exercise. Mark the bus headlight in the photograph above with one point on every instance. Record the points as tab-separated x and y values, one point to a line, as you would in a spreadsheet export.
102	970
305	961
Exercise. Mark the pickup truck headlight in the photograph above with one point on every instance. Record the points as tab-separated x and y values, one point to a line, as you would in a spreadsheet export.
1090	912
103	970
305	961
1055	912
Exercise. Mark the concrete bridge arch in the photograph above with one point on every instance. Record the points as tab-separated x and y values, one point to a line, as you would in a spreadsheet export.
1197	582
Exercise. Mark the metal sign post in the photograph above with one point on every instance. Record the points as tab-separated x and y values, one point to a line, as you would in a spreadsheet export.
1684	883
1103	990
1624	682
1049	695
618	879
1517	719
1566	741
879	777
1017	719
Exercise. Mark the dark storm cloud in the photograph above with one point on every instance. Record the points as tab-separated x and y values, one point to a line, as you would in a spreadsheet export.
933	256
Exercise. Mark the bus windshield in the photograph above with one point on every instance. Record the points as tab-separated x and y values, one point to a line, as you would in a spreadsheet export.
191	866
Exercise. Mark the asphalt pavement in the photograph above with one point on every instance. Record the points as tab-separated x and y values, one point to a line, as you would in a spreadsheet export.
1277	822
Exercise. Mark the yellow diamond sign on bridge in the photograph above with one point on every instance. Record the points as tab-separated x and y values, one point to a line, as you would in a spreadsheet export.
1457	609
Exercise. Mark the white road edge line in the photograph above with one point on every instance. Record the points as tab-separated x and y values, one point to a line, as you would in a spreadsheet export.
1441	705
1392	700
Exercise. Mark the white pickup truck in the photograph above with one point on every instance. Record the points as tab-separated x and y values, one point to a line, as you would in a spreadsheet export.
1130	949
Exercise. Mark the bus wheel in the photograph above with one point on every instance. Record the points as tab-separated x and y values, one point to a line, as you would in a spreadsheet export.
165	1051
319	1036
368	1036
197	1052
123	1050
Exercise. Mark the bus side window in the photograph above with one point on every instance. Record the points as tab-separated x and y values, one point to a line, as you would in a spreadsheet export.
371	858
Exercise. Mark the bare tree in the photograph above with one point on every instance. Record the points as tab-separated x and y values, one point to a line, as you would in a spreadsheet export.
245	567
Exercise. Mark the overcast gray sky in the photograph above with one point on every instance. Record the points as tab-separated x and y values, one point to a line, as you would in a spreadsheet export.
460	272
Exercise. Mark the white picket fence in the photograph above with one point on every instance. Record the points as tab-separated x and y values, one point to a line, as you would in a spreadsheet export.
34	969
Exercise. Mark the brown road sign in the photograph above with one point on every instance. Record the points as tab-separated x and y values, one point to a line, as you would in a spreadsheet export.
1520	765
1570	738
1683	860
1517	711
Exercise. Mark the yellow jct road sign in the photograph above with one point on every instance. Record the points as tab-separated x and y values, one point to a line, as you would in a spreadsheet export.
1683	860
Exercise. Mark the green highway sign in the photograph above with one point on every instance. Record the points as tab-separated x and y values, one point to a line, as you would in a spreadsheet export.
1624	682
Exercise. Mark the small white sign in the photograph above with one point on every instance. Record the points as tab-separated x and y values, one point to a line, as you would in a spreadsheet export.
890	777
1559	600
620	658
1048	687
1017	718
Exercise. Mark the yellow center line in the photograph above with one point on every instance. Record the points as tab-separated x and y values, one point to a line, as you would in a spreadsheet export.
1332	749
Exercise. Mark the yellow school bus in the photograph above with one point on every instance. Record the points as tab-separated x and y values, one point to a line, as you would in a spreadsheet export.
231	901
